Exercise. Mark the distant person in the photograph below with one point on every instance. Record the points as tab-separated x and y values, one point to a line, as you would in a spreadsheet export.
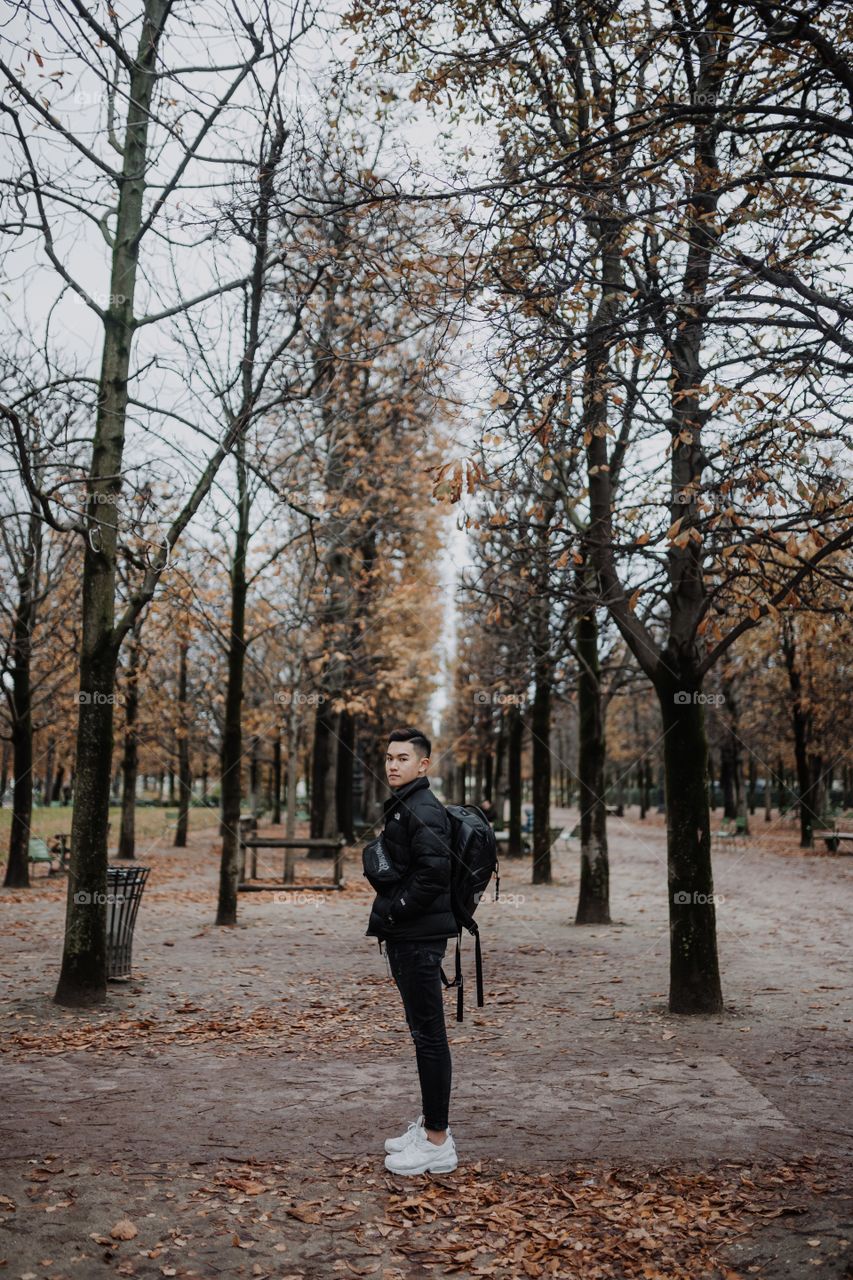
413	915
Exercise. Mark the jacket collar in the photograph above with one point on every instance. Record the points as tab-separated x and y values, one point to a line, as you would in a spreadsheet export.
403	793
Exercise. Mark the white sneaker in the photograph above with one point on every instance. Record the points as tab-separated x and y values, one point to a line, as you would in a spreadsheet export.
397	1144
419	1155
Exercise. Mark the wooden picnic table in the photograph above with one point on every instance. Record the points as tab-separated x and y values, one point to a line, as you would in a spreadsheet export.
289	846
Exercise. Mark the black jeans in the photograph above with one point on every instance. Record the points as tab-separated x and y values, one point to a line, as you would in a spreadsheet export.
415	968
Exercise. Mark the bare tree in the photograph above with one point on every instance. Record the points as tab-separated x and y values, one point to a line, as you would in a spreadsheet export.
170	126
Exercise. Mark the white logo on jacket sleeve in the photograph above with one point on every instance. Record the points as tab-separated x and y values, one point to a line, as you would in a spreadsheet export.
397	815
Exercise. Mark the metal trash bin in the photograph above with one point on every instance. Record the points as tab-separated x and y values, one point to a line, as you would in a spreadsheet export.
124	893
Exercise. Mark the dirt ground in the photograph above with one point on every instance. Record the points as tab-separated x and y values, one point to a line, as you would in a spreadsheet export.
224	1113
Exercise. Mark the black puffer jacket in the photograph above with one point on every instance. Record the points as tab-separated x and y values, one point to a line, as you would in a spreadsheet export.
416	838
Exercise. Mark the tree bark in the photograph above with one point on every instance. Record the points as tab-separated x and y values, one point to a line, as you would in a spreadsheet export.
82	979
344	776
255	774
499	790
232	733
276	778
4	770
323	771
130	758
21	709
594	890
515	744
541	728
185	782
292	768
694	969
727	776
47	781
800	725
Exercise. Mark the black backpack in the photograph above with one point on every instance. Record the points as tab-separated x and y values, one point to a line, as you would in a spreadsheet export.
473	861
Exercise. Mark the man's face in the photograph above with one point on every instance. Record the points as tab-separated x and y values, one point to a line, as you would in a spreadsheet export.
403	763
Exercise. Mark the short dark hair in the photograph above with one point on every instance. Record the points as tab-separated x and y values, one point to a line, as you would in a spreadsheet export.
416	736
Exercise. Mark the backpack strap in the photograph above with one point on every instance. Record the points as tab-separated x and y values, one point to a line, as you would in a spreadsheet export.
479	960
457	981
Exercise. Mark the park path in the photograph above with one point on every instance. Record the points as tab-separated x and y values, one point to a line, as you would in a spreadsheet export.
282	1040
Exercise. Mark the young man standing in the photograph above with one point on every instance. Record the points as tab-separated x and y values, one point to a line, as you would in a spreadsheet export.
415	920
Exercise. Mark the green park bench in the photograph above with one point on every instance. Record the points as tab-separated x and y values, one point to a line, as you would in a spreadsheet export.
55	856
730	830
39	854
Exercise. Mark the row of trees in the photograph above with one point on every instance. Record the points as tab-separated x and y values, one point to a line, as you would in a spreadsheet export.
776	715
230	516
662	218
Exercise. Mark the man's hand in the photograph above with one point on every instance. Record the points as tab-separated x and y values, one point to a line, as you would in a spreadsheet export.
383	909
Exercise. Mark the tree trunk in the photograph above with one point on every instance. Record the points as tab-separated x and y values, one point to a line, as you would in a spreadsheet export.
541	728
185	782
4	770
292	768
742	811
753	783
712	795
817	788
344	776
232	733
515	744
694	968
543	666
18	867
21	709
276	778
323	787
594	890
307	775
728	777
130	758
800	723
500	757
47	784
255	775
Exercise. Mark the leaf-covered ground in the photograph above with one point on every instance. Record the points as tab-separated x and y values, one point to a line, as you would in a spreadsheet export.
223	1114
